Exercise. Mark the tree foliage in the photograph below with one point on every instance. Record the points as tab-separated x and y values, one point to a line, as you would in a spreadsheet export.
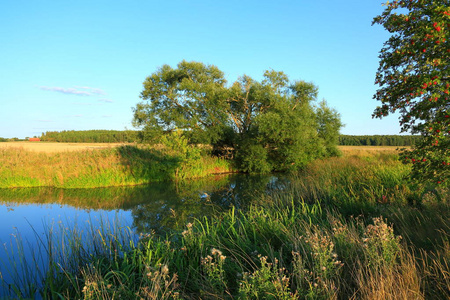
91	136
414	79
270	125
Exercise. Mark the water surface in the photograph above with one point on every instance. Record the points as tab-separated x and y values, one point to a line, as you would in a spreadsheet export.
33	213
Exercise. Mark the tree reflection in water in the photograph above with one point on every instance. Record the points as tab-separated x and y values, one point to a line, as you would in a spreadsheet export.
159	207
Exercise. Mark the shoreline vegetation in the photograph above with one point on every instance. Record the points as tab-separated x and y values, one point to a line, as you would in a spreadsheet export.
94	165
346	227
107	166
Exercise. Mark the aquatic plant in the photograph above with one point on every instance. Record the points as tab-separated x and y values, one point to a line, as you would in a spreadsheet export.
328	234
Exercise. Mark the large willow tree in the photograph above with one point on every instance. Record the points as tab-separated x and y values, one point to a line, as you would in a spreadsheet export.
414	79
270	125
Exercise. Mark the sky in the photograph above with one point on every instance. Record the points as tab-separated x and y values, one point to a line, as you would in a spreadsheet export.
80	65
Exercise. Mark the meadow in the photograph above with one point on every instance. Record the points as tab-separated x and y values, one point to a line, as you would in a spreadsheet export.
91	165
349	227
54	147
67	165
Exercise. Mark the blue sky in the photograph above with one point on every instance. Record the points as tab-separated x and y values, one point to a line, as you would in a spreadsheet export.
79	65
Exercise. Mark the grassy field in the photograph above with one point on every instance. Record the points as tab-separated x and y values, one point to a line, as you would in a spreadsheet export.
66	165
49	147
369	150
350	227
89	165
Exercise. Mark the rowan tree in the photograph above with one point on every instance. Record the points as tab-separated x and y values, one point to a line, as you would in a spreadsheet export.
414	80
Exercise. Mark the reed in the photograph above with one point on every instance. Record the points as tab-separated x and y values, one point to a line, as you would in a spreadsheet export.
330	234
294	253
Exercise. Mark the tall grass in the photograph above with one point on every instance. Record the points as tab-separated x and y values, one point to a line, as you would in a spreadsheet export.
34	268
330	234
126	165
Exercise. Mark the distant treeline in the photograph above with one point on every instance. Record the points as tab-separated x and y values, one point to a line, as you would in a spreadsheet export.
130	136
14	139
92	136
378	140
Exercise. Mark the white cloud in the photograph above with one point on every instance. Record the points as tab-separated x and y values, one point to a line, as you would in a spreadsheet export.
67	91
77	90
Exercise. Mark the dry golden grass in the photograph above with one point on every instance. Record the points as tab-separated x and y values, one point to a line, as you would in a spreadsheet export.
53	147
369	150
89	165
49	147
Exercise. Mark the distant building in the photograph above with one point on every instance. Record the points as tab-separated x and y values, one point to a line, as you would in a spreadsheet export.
34	139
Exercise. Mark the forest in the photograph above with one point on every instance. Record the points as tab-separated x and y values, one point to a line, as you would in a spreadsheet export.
91	136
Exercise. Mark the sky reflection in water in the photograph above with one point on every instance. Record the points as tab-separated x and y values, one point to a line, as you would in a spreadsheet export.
159	208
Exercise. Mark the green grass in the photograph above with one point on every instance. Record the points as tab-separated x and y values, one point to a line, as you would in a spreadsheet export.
343	229
125	165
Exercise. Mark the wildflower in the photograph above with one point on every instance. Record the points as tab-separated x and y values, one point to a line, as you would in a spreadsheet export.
165	270
215	251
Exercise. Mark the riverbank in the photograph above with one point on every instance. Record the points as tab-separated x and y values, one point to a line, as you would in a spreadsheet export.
92	165
103	167
345	228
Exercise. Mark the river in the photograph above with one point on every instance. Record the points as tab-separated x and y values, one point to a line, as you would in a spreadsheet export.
29	217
